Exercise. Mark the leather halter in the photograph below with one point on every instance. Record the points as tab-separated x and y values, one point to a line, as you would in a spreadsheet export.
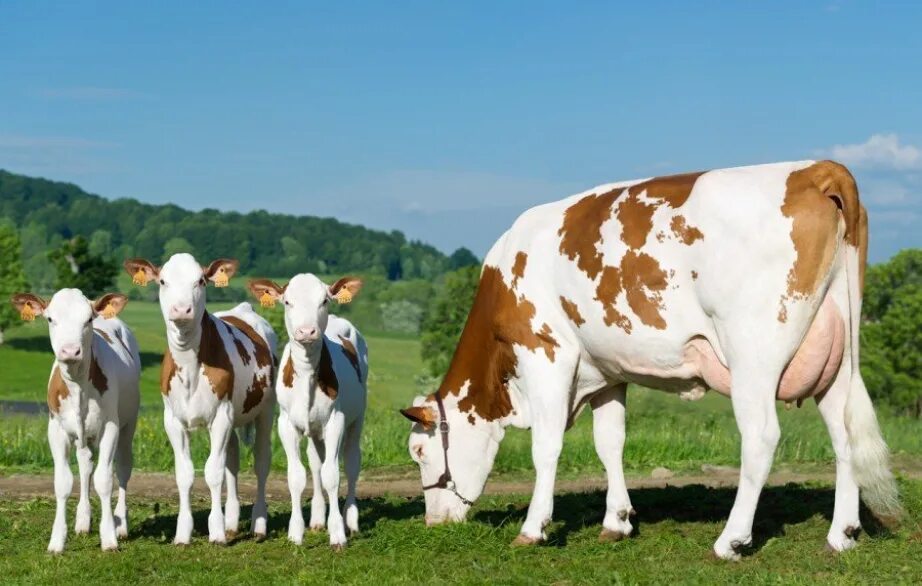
445	480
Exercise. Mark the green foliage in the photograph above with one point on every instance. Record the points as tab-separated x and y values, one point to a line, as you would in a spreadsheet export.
77	267
175	246
401	316
264	243
891	336
462	258
12	277
445	318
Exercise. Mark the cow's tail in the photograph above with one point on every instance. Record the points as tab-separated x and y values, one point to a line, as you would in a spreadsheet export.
870	457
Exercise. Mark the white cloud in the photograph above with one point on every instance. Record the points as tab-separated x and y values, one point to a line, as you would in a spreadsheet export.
880	151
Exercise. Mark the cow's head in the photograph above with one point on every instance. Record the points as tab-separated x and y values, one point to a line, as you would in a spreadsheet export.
182	283
70	318
472	447
306	300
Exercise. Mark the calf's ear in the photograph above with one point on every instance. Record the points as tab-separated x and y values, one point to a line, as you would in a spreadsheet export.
268	292
425	416
28	305
142	271
345	289
110	305
220	271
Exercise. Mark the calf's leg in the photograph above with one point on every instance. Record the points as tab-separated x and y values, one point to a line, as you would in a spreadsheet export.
124	462
329	476
219	434
608	431
315	449
232	502
352	456
63	483
82	520
297	476
185	473
102	482
262	458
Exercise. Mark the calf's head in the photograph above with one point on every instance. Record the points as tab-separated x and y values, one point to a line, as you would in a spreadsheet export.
70	318
182	286
306	300
472	444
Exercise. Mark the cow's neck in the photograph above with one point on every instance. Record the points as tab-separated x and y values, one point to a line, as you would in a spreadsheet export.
76	374
185	342
306	360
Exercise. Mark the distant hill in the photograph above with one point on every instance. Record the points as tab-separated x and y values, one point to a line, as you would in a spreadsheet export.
271	244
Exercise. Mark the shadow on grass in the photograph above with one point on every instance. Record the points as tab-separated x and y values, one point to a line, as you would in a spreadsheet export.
371	512
41	344
778	507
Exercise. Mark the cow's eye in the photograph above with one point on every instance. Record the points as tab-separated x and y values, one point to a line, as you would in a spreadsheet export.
89	321
201	282
162	282
51	321
325	301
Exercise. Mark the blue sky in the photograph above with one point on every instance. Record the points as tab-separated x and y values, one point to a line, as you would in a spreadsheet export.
446	120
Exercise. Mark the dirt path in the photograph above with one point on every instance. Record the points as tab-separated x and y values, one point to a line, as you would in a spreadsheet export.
154	485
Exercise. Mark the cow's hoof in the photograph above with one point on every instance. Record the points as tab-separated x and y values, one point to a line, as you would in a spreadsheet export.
609	536
259	537
230	535
523	540
316	528
338	547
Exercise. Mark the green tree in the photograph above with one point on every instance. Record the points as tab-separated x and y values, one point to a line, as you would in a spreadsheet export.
77	268
101	243
445	317
891	335
176	245
12	277
462	258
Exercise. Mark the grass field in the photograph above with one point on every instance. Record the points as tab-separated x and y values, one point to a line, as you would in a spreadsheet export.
676	529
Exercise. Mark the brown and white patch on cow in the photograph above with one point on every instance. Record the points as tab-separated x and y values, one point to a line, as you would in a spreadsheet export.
485	359
168	369
256	392
260	346
102	334
814	197
351	355
98	377
288	373
572	310
326	374
638	274
57	390
518	267
215	361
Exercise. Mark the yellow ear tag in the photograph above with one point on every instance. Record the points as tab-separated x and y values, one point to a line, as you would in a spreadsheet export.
221	279
109	311
266	300
26	313
344	296
140	278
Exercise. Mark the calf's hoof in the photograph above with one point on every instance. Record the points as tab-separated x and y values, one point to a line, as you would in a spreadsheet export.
259	537
609	536
338	547
316	527
523	540
230	534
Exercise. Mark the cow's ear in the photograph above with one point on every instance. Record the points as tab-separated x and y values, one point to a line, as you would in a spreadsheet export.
220	271
142	271
425	416
28	305
268	292
345	289
110	305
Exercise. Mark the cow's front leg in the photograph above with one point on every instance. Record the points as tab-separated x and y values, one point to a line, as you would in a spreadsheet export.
609	431
329	475
185	473
83	519
63	483
219	434
297	476
549	421
753	396
102	482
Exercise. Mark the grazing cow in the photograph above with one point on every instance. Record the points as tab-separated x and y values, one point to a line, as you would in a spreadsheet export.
322	394
216	373
92	402
746	281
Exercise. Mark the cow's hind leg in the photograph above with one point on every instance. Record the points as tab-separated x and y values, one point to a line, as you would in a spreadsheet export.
232	501
608	431
549	385
755	381
124	462
262	458
845	522
352	456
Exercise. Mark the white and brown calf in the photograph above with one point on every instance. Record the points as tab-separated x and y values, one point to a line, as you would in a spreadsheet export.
746	281
93	402
216	374
322	393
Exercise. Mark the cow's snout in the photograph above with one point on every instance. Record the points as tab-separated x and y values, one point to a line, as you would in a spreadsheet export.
180	312
70	352
307	334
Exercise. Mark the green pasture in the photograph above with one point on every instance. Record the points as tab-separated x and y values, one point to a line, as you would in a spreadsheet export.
662	429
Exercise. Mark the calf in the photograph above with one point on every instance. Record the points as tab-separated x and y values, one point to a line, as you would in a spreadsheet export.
92	402
216	373
746	281
322	392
